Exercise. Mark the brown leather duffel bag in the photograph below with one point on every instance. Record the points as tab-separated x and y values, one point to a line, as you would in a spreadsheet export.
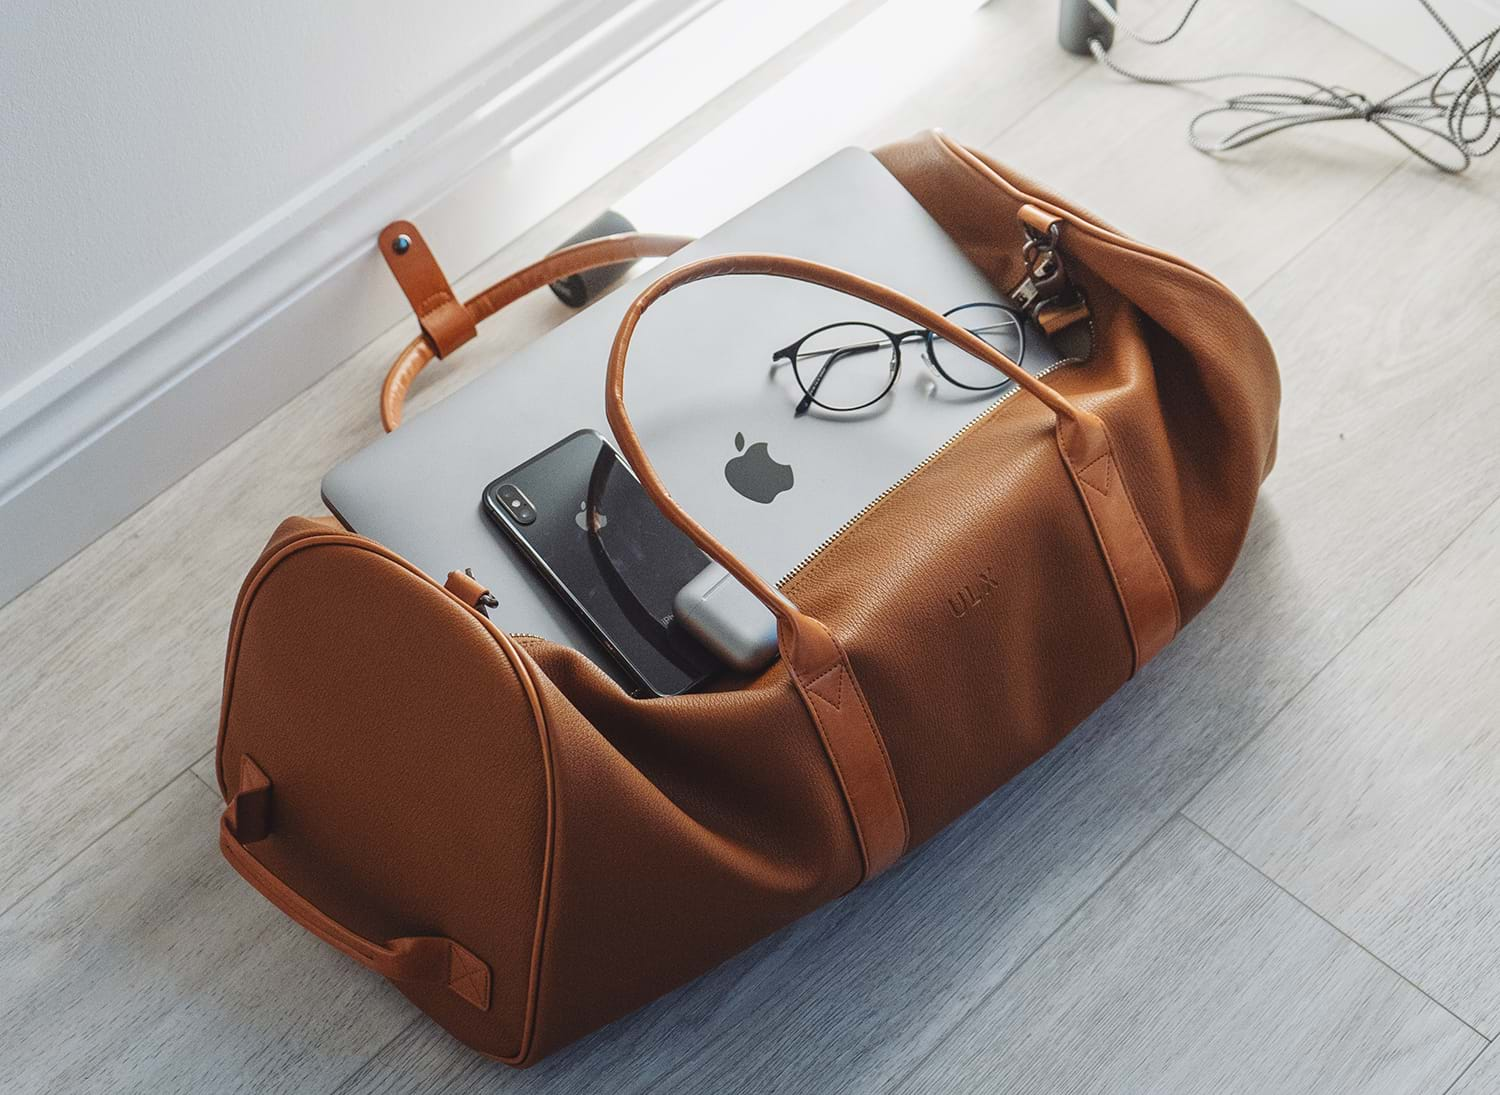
528	852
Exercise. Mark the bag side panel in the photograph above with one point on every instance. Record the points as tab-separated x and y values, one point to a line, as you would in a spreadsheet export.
688	828
409	781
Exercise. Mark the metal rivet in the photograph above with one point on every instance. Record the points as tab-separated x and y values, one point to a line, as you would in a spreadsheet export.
401	244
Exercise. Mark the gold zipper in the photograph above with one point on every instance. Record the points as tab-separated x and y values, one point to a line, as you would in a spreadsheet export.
899	483
1045	280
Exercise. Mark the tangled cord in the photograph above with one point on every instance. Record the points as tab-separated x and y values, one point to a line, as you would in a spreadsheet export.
1453	104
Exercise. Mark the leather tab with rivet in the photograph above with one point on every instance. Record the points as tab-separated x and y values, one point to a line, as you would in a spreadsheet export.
444	319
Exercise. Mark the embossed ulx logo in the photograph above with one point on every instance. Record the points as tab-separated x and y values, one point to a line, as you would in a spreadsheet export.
971	593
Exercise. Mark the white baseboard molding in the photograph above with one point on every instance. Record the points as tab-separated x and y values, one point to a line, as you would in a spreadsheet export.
159	389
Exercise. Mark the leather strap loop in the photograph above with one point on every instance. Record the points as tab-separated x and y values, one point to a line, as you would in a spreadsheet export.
576	259
446	323
1147	596
420	959
471	591
824	678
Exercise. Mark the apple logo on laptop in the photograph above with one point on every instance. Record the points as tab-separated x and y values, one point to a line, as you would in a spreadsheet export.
582	518
755	473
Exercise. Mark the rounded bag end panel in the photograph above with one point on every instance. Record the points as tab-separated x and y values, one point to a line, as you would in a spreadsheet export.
410	788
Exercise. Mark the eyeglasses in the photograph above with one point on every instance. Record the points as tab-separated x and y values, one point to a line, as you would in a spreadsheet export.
851	366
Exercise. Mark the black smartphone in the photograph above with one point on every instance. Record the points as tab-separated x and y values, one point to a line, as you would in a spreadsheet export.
582	519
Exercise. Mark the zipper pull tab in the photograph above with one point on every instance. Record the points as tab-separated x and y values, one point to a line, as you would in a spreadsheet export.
469	590
1045	292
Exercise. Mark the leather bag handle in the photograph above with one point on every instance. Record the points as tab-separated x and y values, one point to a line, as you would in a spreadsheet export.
1147	596
437	310
820	665
816	660
829	277
421	959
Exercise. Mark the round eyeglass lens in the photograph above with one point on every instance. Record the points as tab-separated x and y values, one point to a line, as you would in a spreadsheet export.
846	366
998	326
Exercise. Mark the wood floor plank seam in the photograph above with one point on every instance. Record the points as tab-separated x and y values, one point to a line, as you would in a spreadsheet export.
1073	914
193	768
1396	168
1189	975
850	1024
989	141
1078	74
1075	76
1240	749
1340	930
896	1081
1465	1070
57	870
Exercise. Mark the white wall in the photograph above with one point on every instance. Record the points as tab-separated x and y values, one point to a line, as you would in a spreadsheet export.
190	194
139	138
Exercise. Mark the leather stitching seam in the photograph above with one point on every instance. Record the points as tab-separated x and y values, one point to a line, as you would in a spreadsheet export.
814	685
890	769
1109	562
437	305
524	677
441	297
838	772
1084	474
1161	568
466	975
987	419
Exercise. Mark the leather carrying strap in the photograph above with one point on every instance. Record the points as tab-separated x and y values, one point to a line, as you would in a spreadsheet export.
428	285
817	661
1147	597
419	959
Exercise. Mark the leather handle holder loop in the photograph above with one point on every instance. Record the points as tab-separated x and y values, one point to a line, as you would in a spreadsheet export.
565	262
422	959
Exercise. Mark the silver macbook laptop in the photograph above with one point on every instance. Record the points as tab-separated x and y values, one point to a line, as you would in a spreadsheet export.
718	421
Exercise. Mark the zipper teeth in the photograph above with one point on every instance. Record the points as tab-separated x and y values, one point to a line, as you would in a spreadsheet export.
928	459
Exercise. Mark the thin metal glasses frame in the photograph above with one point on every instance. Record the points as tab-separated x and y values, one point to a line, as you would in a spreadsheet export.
791	355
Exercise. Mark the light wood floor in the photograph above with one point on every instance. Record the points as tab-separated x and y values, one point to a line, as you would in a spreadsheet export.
1270	864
